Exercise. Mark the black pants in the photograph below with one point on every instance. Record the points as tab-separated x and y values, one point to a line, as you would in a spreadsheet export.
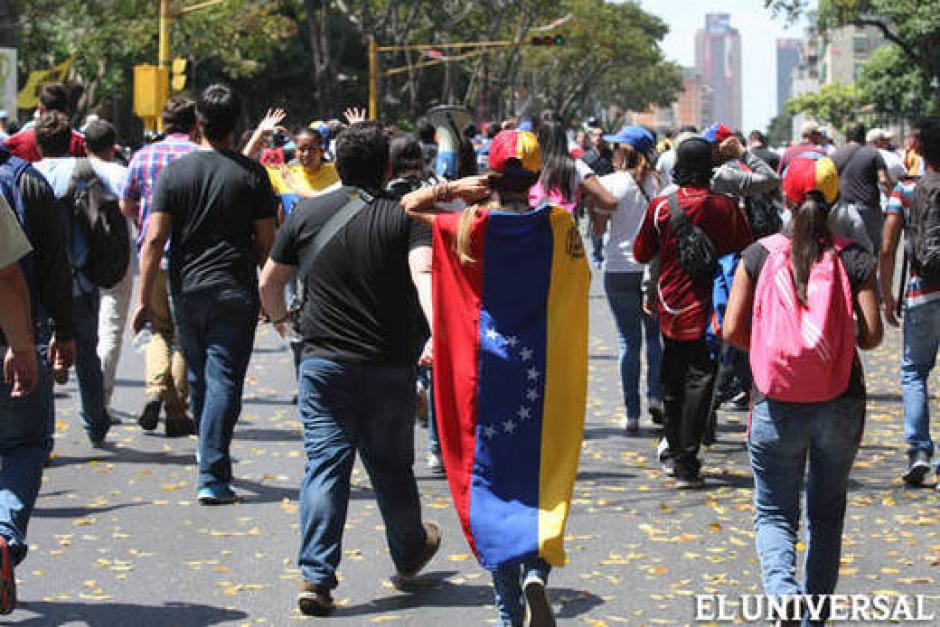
688	374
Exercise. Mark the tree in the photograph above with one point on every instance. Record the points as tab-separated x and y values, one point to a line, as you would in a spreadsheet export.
780	129
833	103
893	86
911	25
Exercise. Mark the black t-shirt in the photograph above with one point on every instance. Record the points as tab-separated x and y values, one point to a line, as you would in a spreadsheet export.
214	197
361	303
858	174
858	264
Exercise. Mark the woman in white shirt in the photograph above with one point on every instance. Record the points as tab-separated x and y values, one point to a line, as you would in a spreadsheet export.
633	184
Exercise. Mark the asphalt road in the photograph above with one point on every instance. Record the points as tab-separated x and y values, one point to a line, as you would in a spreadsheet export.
117	538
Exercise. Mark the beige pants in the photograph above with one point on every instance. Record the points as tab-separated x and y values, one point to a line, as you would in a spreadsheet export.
166	370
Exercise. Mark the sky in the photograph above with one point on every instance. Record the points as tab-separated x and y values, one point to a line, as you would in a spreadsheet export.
759	32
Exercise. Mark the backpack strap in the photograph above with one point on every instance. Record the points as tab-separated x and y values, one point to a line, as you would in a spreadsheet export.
775	243
677	217
356	203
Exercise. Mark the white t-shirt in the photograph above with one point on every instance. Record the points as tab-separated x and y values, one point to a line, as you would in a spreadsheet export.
626	219
895	164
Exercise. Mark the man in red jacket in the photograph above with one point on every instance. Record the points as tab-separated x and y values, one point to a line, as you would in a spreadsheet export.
684	305
52	97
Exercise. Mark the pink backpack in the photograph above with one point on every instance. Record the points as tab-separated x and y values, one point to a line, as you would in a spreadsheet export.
802	354
554	197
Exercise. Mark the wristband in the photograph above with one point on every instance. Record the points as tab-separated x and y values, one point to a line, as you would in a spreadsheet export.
282	319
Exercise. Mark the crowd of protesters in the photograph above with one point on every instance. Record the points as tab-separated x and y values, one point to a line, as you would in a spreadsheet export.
748	278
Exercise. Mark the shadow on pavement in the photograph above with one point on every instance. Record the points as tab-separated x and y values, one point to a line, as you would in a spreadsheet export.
78	512
126	456
434	590
109	614
270	435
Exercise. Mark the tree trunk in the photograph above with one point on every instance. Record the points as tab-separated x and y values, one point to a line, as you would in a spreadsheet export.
317	15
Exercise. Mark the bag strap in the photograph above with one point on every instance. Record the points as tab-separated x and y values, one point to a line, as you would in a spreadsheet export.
677	217
357	202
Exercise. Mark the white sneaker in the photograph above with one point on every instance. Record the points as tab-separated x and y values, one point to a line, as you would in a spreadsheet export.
435	464
538	607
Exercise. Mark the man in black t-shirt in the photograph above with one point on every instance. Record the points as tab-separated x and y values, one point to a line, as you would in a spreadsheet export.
361	331
862	171
219	208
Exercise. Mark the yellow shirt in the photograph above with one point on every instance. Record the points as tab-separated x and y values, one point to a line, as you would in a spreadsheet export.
318	182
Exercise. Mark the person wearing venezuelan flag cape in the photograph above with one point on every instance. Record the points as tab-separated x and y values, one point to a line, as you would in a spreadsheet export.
510	291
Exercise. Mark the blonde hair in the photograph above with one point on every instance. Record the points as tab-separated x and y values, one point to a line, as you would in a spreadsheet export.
464	241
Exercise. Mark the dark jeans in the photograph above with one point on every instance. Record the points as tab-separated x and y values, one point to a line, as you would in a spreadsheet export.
216	330
688	379
88	372
345	408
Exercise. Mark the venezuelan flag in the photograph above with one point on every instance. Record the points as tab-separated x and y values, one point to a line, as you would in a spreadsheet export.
510	377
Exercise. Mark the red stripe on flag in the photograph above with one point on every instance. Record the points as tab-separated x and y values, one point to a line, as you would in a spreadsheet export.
457	357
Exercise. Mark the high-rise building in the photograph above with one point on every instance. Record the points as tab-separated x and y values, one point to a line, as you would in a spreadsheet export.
694	105
788	59
718	58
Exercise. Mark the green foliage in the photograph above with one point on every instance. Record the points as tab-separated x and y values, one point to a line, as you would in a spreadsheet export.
779	129
892	85
309	56
912	25
833	103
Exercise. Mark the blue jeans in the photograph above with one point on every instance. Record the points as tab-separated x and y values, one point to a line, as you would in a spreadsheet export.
782	437
25	430
507	589
626	305
921	340
216	330
93	414
339	419
434	441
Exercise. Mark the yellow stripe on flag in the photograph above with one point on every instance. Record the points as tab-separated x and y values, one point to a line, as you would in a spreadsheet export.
565	384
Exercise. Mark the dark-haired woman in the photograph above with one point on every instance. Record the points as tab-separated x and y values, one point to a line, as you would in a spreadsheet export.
793	425
564	180
410	172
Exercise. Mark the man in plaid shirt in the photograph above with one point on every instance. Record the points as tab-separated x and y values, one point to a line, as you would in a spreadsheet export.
166	370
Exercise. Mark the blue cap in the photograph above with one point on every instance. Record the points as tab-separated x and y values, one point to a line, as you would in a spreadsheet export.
525	125
641	139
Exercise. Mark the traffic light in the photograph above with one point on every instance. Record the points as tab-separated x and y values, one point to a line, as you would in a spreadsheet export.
548	40
178	79
150	87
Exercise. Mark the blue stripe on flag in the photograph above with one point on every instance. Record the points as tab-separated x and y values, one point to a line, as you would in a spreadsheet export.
504	490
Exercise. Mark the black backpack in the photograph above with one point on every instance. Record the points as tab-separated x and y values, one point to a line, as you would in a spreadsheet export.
763	214
924	228
694	249
98	214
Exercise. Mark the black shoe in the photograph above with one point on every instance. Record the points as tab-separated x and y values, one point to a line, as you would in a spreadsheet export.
657	413
315	600
920	466
689	481
150	416
180	427
431	544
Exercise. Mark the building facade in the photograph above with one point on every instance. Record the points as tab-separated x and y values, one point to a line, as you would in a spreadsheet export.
788	59
718	59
